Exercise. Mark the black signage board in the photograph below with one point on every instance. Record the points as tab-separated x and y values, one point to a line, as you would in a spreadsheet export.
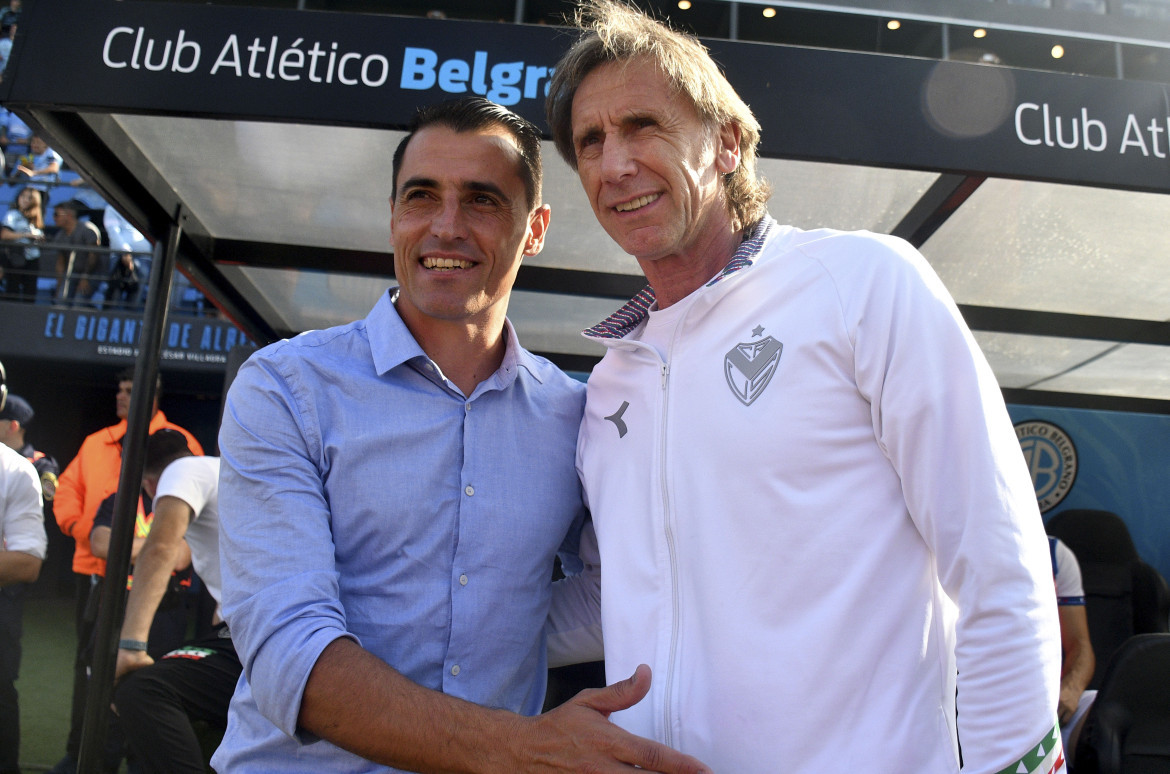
272	64
92	336
374	70
953	116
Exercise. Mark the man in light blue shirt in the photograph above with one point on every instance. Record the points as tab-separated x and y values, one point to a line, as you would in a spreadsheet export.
393	493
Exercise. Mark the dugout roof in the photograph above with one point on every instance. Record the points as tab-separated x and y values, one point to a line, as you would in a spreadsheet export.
266	136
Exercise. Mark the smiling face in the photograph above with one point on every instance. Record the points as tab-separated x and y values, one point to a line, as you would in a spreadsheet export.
650	166
461	225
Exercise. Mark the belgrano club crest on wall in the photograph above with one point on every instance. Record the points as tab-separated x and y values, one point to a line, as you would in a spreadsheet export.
1051	458
750	365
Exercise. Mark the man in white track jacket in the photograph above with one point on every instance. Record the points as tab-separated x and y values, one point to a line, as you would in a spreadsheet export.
813	516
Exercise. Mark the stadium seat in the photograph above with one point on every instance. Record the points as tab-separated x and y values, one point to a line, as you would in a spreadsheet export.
8	193
1124	595
1127	731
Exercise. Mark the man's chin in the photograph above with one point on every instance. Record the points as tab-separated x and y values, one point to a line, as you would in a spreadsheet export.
641	244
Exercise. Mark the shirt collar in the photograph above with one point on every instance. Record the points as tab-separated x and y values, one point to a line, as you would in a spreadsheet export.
392	344
517	357
622	322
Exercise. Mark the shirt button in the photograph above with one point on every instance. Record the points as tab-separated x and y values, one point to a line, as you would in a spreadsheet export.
470	490
467	407
462	580
455	670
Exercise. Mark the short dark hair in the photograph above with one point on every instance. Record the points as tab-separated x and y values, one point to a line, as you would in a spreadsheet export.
164	447
127	375
74	205
467	114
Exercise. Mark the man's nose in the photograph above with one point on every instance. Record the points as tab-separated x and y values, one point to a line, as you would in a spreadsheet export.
448	222
617	159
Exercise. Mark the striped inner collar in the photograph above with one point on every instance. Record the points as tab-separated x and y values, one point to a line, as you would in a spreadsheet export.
623	321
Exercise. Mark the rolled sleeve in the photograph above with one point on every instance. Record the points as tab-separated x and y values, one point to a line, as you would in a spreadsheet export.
280	581
23	528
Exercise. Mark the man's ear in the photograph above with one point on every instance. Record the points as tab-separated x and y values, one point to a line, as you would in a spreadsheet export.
537	229
727	148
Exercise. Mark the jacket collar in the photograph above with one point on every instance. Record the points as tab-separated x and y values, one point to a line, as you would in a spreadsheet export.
623	322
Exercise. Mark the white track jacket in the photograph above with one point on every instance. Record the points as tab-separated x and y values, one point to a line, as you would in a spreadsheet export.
812	514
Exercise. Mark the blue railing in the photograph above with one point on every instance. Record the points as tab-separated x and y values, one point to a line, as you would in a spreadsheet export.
65	275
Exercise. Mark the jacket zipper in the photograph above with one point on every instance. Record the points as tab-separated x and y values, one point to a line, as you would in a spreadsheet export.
668	533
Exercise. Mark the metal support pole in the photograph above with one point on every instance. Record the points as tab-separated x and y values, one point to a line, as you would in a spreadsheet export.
113	593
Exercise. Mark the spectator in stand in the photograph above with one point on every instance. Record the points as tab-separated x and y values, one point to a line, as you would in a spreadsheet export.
7	33
79	273
122	233
89	479
14	133
21	230
124	282
22	549
10	15
40	163
123	236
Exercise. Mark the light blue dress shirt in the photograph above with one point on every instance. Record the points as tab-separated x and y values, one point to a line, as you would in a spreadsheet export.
363	496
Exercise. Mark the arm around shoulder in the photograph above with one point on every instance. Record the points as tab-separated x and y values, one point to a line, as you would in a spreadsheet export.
573	630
